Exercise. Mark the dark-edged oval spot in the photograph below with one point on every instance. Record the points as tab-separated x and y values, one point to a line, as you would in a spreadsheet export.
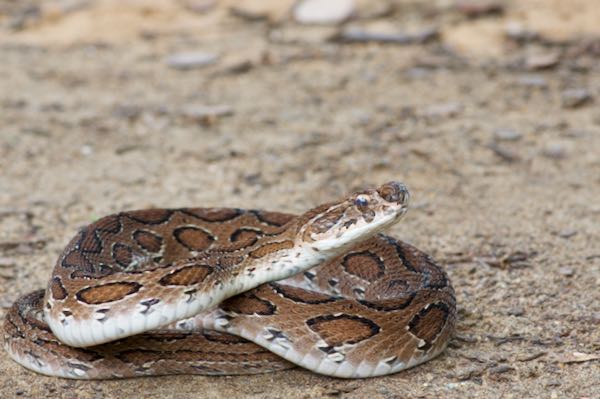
107	292
186	275
388	305
246	235
337	330
248	304
150	216
193	238
429	323
150	242
270	248
214	214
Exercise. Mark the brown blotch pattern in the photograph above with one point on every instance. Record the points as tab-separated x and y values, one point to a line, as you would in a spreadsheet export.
148	241
122	254
193	238
343	329
326	222
245	235
365	265
301	295
388	305
57	289
248	304
429	323
271	248
214	214
107	292
109	224
272	218
187	275
150	216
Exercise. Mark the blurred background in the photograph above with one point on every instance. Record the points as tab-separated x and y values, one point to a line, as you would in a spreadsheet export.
487	110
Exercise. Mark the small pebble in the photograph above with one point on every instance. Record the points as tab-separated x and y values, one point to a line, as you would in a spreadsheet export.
8	273
536	81
449	109
260	10
517	32
516	311
186	61
555	151
386	33
206	114
478	8
504	134
502	368
573	98
468	373
542	61
237	66
86	150
7	262
504	153
553	383
567	233
566	271
327	12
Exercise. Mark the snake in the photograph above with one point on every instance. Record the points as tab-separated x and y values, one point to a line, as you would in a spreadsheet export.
228	291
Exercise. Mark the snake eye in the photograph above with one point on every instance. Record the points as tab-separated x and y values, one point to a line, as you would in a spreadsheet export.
361	201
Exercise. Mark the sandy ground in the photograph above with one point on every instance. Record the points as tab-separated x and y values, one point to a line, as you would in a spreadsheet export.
493	123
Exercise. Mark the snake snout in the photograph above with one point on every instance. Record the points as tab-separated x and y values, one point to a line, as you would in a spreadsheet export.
394	192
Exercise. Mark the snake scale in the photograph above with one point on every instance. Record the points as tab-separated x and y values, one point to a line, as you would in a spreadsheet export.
219	291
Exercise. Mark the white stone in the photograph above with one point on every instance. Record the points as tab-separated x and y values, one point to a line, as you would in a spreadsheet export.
323	11
184	61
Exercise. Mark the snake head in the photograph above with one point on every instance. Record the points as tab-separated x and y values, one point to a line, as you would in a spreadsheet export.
337	225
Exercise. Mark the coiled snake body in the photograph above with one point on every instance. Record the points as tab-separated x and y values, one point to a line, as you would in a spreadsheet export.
172	291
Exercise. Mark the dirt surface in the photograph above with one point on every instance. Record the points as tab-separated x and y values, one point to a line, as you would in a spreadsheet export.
488	111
